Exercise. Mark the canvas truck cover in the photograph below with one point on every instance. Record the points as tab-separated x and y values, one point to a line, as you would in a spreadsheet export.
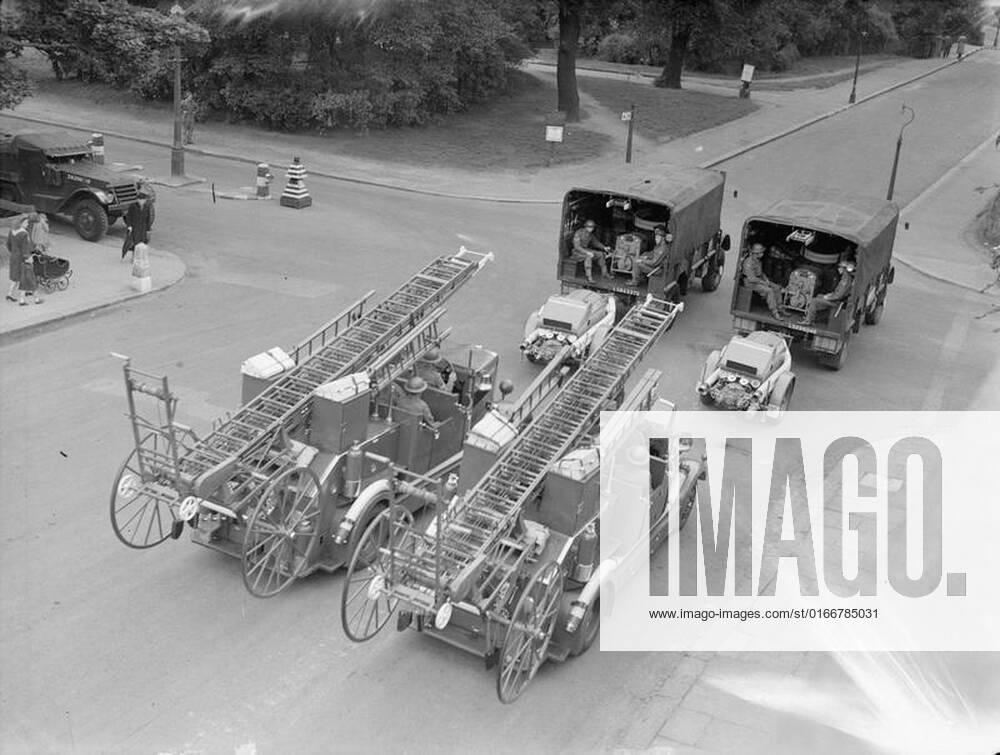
52	144
694	196
869	223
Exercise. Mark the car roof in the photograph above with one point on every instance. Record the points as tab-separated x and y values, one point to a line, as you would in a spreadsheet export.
52	143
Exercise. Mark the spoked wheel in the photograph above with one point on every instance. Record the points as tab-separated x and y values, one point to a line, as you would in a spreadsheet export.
530	631
365	606
142	509
281	533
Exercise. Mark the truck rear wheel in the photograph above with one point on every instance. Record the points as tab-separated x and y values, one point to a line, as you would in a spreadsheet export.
89	219
873	316
836	361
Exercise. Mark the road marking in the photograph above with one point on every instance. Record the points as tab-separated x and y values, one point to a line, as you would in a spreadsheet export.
305	288
950	348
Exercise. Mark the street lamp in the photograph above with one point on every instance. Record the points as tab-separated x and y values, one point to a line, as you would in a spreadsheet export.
899	145
857	65
177	150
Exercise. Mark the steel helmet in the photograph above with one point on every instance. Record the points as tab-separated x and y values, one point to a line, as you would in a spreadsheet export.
431	356
846	265
415	385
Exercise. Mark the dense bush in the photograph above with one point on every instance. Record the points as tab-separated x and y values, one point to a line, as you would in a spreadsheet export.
404	65
620	48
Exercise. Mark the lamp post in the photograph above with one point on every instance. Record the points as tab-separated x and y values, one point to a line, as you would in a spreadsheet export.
899	145
177	150
857	65
996	36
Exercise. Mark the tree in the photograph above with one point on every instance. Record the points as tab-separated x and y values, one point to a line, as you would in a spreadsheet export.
14	84
569	41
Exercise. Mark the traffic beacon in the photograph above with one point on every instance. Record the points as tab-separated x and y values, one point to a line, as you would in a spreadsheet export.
295	194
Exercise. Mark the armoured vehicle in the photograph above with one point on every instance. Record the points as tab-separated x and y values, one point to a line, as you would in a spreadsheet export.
805	239
55	172
626	209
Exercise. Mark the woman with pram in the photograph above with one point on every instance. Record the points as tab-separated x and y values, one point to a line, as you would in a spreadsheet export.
21	269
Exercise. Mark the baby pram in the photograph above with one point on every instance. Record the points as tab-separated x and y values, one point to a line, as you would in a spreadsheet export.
53	273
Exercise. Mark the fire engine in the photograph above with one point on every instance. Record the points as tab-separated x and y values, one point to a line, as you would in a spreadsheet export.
508	567
278	484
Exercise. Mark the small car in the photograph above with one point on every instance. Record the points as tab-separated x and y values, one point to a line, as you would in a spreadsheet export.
580	318
753	372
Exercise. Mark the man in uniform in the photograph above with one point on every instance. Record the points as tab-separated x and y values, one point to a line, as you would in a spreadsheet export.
188	108
411	401
649	261
835	297
587	247
435	370
755	280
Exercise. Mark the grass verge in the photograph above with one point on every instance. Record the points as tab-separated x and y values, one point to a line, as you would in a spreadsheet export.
664	114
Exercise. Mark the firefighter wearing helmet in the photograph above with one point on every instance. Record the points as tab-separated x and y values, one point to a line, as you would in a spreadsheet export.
435	369
410	400
833	299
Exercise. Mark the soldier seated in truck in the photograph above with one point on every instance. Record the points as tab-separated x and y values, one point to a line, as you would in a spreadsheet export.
755	280
649	262
833	299
587	247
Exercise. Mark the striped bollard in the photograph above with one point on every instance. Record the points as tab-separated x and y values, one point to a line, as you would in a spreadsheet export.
97	148
264	179
295	194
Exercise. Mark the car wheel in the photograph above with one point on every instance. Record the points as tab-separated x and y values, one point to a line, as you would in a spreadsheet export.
90	219
875	315
711	280
781	394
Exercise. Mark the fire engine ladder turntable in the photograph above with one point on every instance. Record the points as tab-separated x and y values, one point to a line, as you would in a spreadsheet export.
472	551
228	469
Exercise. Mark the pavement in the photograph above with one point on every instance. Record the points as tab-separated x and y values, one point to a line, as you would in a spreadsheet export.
99	279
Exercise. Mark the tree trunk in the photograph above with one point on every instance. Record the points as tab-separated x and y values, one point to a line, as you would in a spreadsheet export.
569	39
671	76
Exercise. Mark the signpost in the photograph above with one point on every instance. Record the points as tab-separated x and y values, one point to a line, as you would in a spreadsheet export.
554	129
628	116
746	78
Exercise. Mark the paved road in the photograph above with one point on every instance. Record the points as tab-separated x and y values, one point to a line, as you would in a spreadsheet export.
114	650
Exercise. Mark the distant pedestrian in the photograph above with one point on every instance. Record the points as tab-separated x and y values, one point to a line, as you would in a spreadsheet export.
946	46
38	232
960	47
189	108
19	249
136	226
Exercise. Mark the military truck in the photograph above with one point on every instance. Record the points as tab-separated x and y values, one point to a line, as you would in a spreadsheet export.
55	173
626	209
805	239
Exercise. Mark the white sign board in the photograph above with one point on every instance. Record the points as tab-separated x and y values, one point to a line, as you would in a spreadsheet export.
553	133
627	115
747	74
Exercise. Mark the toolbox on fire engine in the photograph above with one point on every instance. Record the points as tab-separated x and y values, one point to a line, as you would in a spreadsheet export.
340	413
263	369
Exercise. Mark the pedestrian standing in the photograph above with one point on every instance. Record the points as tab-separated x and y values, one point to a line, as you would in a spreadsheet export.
136	226
38	232
188	110
946	47
18	247
960	47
